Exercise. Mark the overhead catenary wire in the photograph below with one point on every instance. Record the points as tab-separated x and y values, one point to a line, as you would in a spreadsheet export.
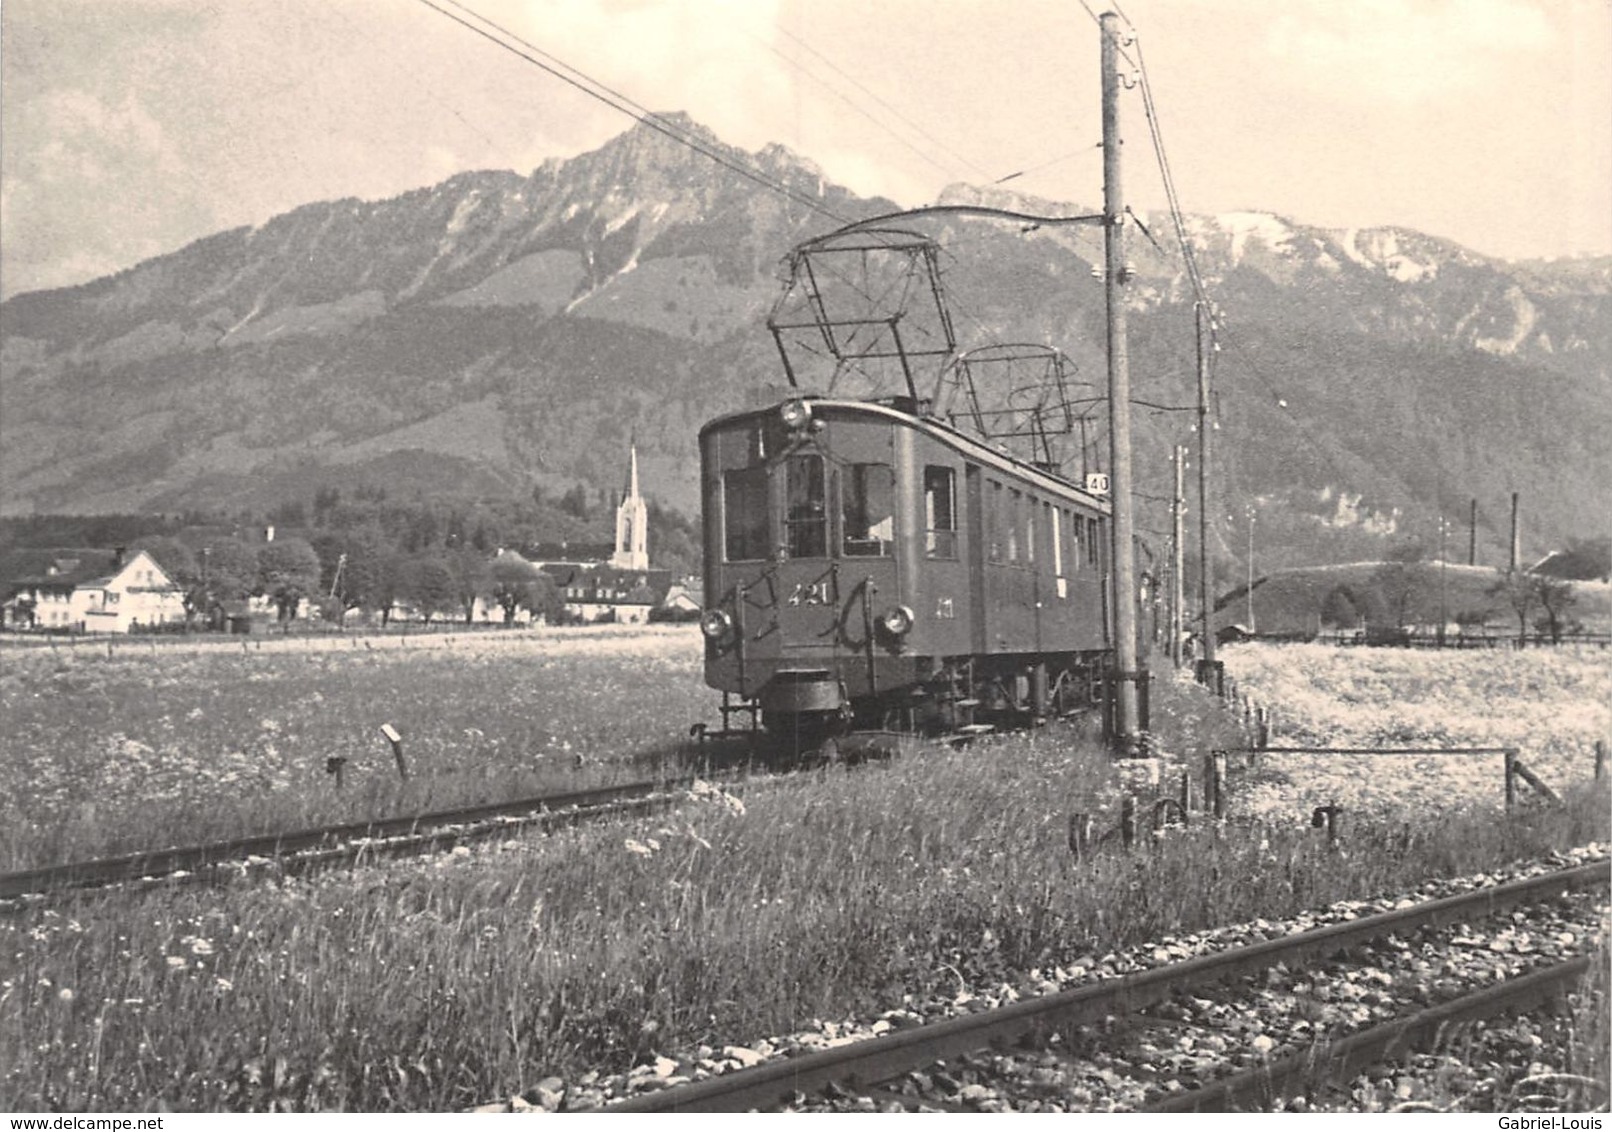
599	91
906	121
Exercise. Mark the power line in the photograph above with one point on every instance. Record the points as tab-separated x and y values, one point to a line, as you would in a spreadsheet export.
908	122
595	89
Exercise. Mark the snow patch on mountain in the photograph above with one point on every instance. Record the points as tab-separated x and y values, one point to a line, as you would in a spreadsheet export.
1269	230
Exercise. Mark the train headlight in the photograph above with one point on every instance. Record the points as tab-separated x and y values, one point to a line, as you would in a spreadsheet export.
796	414
716	624
897	621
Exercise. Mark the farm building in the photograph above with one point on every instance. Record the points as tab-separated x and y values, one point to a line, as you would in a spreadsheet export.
86	591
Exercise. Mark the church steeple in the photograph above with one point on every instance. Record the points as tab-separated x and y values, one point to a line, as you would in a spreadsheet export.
632	522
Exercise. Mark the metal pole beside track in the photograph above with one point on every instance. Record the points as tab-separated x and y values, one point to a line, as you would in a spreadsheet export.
1119	400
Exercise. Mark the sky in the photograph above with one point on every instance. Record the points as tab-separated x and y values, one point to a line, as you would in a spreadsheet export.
129	128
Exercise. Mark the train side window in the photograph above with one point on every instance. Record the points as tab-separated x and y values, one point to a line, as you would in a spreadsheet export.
1014	518
1057	542
806	516
1031	519
1093	542
744	511
940	512
994	520
1075	524
868	510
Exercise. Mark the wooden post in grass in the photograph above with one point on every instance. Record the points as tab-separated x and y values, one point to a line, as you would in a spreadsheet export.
1520	768
1127	820
336	765
1600	758
396	740
1080	830
1186	797
1328	816
1511	778
1215	786
1262	730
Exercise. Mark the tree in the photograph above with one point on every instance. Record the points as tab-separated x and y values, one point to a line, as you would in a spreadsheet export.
428	584
469	578
575	502
1400	583
1555	597
228	572
287	571
1339	609
513	582
351	567
1517	588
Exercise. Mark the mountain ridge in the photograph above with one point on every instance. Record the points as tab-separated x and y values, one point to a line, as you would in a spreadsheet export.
516	330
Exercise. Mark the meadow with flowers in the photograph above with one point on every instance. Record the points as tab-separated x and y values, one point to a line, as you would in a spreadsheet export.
1552	704
108	751
791	905
795	907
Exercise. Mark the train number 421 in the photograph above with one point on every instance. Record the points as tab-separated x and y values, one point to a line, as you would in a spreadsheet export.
810	593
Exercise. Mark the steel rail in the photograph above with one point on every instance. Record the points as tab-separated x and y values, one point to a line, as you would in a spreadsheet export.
1328	1061
353	838
867	1063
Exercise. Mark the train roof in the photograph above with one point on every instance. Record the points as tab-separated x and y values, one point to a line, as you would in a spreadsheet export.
970	446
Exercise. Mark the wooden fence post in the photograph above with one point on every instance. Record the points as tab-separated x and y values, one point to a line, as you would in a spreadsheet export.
1521	770
1080	830
1186	797
1127	820
1328	816
1511	778
1600	758
1217	771
396	740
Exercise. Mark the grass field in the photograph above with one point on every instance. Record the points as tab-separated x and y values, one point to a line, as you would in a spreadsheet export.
1552	704
110	750
444	982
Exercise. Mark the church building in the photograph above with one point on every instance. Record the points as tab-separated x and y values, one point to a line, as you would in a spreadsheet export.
623	589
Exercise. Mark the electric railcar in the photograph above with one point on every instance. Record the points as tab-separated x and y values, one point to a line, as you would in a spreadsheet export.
870	568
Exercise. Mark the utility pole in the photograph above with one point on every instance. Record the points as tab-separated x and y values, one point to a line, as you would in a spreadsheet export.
1178	557
1443	606
1123	586
1251	626
1206	580
1516	532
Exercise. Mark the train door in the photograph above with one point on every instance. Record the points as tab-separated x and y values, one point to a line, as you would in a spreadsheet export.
975	490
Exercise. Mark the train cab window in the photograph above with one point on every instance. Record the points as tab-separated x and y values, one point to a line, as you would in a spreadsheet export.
1093	542
805	514
1076	522
1030	520
744	510
940	512
867	513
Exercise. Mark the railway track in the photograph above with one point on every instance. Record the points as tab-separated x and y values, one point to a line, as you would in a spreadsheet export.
325	846
863	1068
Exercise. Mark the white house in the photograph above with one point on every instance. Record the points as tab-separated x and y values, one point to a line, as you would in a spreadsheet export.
86	591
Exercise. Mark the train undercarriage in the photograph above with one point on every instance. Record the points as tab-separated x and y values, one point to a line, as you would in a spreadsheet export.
802	710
